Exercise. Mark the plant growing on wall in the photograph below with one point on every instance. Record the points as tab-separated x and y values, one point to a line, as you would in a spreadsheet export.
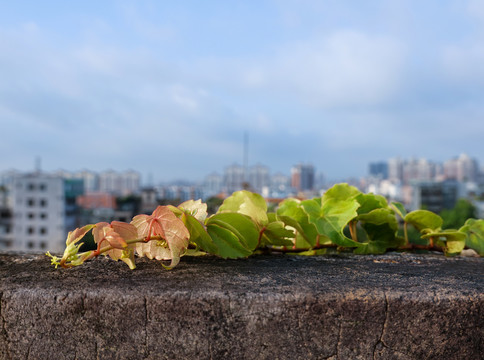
342	220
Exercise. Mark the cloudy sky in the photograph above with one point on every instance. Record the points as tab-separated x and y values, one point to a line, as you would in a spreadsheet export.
168	88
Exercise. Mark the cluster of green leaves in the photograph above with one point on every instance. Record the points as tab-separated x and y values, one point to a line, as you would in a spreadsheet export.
343	219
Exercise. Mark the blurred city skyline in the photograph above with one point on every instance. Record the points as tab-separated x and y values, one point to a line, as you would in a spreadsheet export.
170	89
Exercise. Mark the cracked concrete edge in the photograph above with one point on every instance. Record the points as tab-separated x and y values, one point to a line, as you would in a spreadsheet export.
4	354
133	318
103	328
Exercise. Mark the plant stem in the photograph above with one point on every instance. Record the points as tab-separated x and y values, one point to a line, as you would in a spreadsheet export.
261	232
352	227
87	255
405	233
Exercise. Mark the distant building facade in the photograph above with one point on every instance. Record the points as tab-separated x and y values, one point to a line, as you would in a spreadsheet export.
435	195
302	177
234	178
44	209
259	178
378	169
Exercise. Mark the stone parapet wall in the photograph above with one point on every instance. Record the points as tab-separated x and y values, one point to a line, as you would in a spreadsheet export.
395	306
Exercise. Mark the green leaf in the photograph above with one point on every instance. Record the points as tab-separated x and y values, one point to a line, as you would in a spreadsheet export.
341	191
380	226
399	209
195	208
228	244
198	234
380	217
452	241
331	218
369	202
292	214
247	203
275	233
372	247
241	226
474	230
424	220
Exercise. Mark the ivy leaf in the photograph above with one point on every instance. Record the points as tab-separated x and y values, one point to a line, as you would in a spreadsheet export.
228	244
247	203
165	224
424	220
380	226
474	230
452	241
292	214
369	202
75	236
372	247
71	252
379	217
235	234
332	217
276	234
127	232
197	209
399	209
341	192
198	234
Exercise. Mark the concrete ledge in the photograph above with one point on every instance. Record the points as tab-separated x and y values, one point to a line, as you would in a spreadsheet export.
396	306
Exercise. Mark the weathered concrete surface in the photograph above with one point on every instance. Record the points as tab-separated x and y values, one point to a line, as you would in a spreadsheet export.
397	306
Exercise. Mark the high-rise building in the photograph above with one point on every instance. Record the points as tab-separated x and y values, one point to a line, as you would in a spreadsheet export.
234	177
462	168
124	183
302	177
6	221
91	180
378	169
44	208
259	177
435	195
395	169
212	185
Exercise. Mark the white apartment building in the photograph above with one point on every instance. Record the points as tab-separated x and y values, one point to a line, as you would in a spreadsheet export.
124	183
259	177
39	213
234	178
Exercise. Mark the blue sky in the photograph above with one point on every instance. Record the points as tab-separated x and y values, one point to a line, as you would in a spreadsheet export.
169	88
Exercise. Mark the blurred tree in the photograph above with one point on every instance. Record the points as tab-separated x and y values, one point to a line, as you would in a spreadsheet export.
456	217
213	203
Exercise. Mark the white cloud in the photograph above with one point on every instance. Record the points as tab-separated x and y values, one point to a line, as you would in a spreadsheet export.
346	68
464	63
476	8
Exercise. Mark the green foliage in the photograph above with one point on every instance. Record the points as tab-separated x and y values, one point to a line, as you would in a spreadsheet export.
456	217
343	219
474	230
424	220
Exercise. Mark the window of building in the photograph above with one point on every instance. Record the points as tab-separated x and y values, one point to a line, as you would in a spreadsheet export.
43	245
43	202
30	230
30	186
42	187
30	244
43	230
30	202
43	215
30	215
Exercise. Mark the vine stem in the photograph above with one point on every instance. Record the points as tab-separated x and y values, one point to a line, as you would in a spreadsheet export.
405	233
352	227
261	232
87	255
